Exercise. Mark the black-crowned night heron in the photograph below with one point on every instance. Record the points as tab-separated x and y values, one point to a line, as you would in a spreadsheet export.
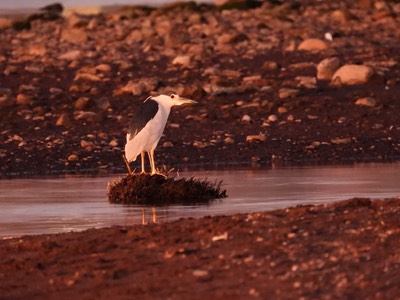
147	126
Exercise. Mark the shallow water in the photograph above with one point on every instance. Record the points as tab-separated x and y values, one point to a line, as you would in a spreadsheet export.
50	205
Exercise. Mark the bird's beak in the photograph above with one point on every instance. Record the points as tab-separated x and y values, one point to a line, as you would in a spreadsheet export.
186	101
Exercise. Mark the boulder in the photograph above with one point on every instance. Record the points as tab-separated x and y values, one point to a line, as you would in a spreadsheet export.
352	75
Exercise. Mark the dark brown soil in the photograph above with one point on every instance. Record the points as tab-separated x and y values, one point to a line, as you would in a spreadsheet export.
158	190
347	250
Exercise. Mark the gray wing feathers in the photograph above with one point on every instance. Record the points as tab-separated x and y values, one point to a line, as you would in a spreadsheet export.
145	112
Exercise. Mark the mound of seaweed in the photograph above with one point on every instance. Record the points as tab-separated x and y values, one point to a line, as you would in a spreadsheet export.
159	190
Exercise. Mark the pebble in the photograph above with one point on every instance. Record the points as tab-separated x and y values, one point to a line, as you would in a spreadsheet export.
113	143
70	55
183	60
259	137
282	110
287	93
367	101
229	140
312	45
352	75
82	103
201	273
167	145
64	120
246	118
74	35
272	118
73	157
327	67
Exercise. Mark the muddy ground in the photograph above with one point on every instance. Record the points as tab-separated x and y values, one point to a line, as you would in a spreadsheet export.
69	86
347	250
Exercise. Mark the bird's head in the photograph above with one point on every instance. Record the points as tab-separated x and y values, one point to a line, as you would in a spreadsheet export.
172	99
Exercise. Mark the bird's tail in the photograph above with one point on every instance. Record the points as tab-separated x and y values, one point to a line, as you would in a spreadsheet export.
131	151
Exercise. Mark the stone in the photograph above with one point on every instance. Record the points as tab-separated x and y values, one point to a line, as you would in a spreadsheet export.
64	120
6	101
352	75
367	101
256	138
229	140
246	119
167	145
74	36
308	82
87	77
327	68
70	55
287	93
5	23
73	157
183	60
103	68
23	99
272	118
312	45
82	103
270	65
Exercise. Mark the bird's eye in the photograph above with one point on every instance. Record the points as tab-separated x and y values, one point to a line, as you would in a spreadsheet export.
172	96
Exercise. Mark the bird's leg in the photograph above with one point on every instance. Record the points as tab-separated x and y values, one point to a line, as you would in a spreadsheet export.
142	157
127	165
154	215
152	164
143	216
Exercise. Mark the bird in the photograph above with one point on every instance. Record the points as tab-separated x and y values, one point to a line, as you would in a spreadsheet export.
147	125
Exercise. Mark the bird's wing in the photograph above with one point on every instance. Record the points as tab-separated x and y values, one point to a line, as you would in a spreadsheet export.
145	112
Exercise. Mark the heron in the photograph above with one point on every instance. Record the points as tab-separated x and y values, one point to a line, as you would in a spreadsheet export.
147	126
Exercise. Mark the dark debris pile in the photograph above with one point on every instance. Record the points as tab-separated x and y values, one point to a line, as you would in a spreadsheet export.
158	190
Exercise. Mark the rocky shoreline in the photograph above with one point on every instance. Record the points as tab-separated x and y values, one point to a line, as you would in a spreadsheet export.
263	78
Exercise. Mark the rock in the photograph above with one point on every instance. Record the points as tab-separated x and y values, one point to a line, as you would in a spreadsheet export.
183	60
167	145
74	36
113	143
246	118
327	67
258	138
85	115
70	55
87	77
72	157
282	110
308	82
64	120
352	75
6	101
367	101
145	85
270	66
5	23
103	68
229	140
82	103
23	99
312	45
341	141
272	118
286	93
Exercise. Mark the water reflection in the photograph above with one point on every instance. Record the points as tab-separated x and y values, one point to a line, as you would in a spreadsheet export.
30	206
